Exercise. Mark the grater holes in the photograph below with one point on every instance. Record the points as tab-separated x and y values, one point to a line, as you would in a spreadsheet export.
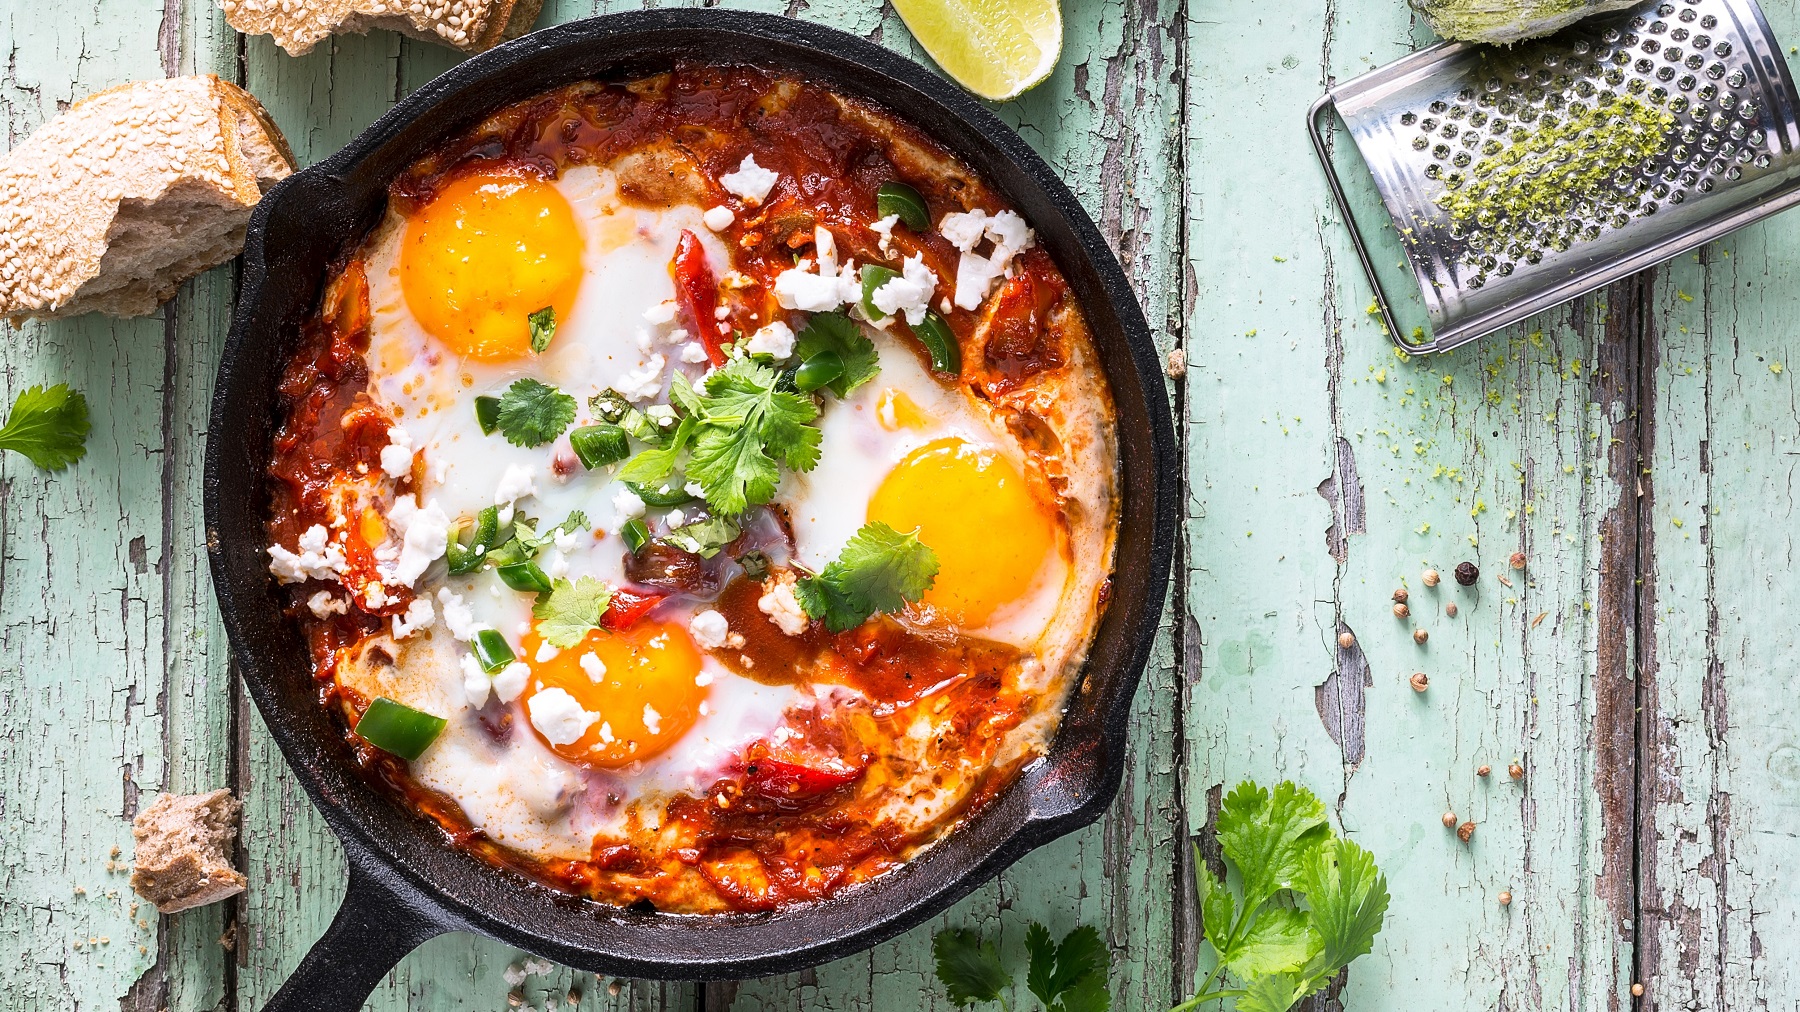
1702	41
1736	79
1610	36
1420	143
1687	15
1762	160
1439	107
1722	50
1657	27
1679	35
1408	119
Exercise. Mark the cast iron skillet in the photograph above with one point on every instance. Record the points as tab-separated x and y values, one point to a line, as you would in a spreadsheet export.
405	883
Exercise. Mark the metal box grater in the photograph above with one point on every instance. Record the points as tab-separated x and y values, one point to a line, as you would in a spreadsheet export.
1702	115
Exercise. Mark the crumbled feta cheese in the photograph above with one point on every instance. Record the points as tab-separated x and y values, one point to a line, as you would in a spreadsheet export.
643	340
1009	230
783	608
709	629
317	558
565	540
718	218
884	227
559	717
975	276
546	651
457	616
557	567
606	735
662	414
662	312
751	181
800	289
476	683
642	384
375	596
964	229
326	603
397	456
825	249
676	518
424	533
627	504
694	353
518	482
652	719
910	293
418	615
703	679
775	340
595	668
510	681
694	489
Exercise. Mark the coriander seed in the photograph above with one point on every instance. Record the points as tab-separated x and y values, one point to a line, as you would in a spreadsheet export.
1420	636
1449	820
1516	771
1637	990
1467	574
1465	832
1400	595
1517	561
1430	579
1401	610
1483	770
1450	609
1419	681
1505	898
1346	639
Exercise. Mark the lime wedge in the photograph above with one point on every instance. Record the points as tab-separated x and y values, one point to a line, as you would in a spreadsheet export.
995	48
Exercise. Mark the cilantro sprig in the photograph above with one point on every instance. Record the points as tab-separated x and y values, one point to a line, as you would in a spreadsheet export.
1309	902
1066	977
570	610
837	334
48	425
879	570
533	413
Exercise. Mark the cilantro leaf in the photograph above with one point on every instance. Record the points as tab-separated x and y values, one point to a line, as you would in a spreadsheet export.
879	569
835	332
532	414
543	328
1348	896
969	966
1269	834
748	430
1280	938
48	425
1218	908
570	610
704	537
1042	948
652	466
1276	992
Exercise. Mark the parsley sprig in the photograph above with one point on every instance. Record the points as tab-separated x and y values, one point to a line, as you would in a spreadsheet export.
1285	853
738	429
48	425
1066	977
880	569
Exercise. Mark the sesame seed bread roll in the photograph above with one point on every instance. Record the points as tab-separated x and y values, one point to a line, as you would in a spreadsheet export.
469	25
111	205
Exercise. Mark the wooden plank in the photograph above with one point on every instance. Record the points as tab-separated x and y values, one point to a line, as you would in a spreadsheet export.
112	688
1719	778
1326	472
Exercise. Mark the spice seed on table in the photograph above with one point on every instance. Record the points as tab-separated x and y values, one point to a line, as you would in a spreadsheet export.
1420	636
1467	574
1449	820
1465	832
1516	771
1346	639
1517	561
1483	770
1401	610
1419	682
1505	898
1430	579
1450	609
1637	990
1400	596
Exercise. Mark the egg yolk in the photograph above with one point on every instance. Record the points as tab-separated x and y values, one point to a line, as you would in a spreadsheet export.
640	684
971	506
490	249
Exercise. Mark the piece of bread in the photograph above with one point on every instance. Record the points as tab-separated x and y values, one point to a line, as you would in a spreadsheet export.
469	25
110	206
183	856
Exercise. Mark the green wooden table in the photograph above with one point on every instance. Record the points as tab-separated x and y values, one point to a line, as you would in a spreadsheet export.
1639	447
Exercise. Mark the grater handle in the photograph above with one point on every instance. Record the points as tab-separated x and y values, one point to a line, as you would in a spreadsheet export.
1313	117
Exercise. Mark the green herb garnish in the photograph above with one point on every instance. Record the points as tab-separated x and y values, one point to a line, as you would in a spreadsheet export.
636	534
704	537
1070	977
838	334
744	430
570	610
532	414
1285	853
879	570
48	425
543	328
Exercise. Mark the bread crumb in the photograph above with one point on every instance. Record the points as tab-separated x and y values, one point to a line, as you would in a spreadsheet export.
183	850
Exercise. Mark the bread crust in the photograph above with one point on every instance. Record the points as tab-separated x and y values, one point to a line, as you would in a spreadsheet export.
468	25
111	205
183	852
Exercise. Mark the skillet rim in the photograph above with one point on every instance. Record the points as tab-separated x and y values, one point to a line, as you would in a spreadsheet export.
922	887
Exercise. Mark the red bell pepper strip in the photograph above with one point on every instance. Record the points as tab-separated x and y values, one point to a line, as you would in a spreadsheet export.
697	292
794	776
627	607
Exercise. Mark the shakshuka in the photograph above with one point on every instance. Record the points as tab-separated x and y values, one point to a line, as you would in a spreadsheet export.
698	491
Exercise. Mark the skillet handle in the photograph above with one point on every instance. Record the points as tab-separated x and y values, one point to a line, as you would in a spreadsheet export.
380	921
